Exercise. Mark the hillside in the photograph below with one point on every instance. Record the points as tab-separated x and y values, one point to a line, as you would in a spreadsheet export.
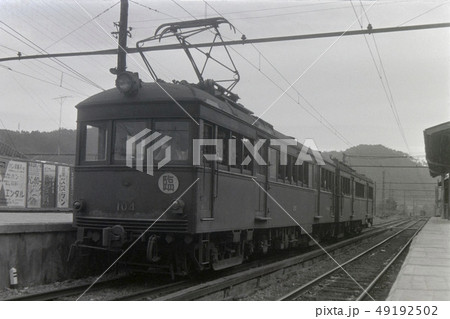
42	145
415	186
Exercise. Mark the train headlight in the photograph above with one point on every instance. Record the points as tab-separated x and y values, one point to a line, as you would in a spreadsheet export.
178	206
79	205
128	83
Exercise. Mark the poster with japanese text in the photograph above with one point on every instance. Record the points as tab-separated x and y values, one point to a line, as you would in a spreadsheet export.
34	185
63	188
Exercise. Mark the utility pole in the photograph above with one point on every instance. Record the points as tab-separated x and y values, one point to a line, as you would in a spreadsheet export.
122	34
61	101
442	196
382	195
404	202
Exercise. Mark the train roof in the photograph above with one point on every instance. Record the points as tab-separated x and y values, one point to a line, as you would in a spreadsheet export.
181	92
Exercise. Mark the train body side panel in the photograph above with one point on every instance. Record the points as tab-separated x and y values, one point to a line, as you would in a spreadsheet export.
360	208
346	211
238	205
326	207
298	202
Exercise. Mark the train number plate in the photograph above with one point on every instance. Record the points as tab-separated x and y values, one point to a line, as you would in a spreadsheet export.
125	206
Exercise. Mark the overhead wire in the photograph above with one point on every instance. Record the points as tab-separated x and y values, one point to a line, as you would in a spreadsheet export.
36	47
41	80
309	67
329	127
40	61
28	92
322	118
154	10
156	82
382	75
55	11
422	14
47	74
82	25
392	101
69	19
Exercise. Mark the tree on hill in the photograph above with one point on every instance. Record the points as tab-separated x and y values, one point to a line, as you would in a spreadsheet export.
42	145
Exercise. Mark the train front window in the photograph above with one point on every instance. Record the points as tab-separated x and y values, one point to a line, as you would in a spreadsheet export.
123	130
179	142
96	136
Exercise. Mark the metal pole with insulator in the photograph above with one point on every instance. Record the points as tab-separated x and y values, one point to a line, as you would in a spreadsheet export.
123	34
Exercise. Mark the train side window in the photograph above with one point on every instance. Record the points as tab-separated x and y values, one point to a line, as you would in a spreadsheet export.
289	171
345	185
273	163
305	174
323	178
248	169
295	174
359	190
262	169
123	130
179	142
327	180
238	151
208	133
301	178
95	142
370	192
281	169
224	135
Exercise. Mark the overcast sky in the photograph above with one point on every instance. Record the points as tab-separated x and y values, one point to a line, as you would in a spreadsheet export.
346	91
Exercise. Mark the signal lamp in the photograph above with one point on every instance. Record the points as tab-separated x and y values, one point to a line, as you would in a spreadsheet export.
128	83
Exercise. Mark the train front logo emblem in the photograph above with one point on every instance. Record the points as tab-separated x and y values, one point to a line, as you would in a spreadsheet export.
139	146
168	183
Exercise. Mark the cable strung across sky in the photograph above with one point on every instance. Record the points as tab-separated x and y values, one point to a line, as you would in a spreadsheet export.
369	30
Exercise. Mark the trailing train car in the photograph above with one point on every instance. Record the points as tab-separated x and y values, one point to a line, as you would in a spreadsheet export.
208	214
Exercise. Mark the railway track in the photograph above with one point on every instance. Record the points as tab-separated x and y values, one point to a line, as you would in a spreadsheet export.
237	284
67	291
217	286
354	279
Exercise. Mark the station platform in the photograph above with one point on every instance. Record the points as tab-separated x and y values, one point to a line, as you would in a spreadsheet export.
425	274
35	221
37	245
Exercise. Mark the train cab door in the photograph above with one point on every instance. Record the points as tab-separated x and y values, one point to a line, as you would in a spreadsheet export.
262	177
337	199
208	178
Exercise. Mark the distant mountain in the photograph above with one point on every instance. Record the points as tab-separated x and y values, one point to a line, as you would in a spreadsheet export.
42	145
414	186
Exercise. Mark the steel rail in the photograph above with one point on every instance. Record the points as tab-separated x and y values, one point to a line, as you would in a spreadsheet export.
294	293
248	275
169	288
232	42
370	286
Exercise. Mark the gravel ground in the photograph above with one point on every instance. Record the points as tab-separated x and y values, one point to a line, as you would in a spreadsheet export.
281	286
22	291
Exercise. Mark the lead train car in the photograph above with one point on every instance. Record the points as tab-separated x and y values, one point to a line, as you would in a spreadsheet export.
231	212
